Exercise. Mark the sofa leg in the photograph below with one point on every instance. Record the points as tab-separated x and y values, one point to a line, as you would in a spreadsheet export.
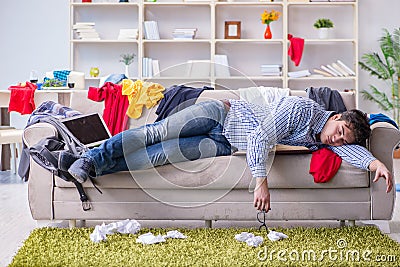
352	223
72	223
208	223
342	223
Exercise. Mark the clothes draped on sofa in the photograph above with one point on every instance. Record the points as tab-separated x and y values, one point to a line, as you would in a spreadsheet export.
261	95
178	97
115	105
22	98
46	109
379	117
141	94
324	165
329	99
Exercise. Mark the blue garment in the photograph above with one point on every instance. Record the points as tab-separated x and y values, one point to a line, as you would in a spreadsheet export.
176	98
379	117
51	108
61	75
291	121
191	134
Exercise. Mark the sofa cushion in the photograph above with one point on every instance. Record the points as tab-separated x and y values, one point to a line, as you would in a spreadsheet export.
288	171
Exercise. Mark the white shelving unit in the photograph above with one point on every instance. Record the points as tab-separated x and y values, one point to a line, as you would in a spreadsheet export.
245	55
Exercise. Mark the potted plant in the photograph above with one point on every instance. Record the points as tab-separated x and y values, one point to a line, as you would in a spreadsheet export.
127	59
323	25
386	67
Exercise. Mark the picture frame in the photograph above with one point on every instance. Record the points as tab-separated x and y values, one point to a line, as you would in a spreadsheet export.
232	29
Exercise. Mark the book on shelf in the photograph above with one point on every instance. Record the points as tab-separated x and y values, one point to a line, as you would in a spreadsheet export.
151	30
346	68
318	71
336	69
185	29
86	31
198	68
338	74
128	34
319	0
147	67
184	33
156	68
271	69
340	69
83	25
299	73
88	34
221	66
324	68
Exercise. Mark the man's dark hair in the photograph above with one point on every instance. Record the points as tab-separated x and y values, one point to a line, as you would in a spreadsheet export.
358	122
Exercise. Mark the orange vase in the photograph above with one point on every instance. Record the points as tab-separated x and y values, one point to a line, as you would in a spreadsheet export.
268	33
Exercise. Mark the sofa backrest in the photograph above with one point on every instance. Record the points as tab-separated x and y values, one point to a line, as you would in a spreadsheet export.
80	102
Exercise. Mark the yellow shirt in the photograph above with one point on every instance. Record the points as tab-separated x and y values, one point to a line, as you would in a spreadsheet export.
141	94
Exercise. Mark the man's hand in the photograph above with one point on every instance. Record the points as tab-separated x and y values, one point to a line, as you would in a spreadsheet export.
261	195
381	171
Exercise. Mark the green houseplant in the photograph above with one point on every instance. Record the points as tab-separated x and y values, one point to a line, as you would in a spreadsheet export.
323	26
386	67
323	23
127	59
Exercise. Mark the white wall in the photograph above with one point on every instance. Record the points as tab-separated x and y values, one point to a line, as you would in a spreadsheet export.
373	17
35	35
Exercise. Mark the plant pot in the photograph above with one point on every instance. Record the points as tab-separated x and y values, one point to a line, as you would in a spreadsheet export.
268	33
127	71
323	33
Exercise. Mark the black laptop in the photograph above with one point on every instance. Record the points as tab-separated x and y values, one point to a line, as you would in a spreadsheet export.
89	129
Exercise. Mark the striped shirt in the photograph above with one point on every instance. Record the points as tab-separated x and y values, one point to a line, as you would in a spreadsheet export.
293	121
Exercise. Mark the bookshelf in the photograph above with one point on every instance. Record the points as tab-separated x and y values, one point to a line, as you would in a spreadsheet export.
245	55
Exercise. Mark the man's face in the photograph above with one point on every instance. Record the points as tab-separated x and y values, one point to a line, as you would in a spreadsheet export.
336	132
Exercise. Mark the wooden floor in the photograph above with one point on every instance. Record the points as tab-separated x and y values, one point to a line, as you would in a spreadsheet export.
16	222
15	219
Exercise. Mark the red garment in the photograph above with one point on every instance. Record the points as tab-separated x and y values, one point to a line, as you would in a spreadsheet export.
324	165
295	49
115	103
22	98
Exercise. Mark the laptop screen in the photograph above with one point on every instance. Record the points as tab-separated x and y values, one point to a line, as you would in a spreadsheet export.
89	129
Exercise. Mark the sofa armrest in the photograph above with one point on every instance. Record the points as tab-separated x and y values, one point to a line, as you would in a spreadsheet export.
384	139
34	133
41	183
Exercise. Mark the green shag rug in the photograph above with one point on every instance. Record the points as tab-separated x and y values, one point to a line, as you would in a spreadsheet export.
346	246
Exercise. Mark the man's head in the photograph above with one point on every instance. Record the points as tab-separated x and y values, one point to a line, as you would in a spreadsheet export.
350	127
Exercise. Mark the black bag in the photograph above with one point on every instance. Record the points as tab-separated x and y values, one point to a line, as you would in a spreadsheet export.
47	154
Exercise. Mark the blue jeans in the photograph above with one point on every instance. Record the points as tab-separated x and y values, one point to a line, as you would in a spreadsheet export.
190	134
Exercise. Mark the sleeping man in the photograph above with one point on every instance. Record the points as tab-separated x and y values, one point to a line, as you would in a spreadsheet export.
216	128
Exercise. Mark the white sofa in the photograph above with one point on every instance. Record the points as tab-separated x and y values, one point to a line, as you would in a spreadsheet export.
216	188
